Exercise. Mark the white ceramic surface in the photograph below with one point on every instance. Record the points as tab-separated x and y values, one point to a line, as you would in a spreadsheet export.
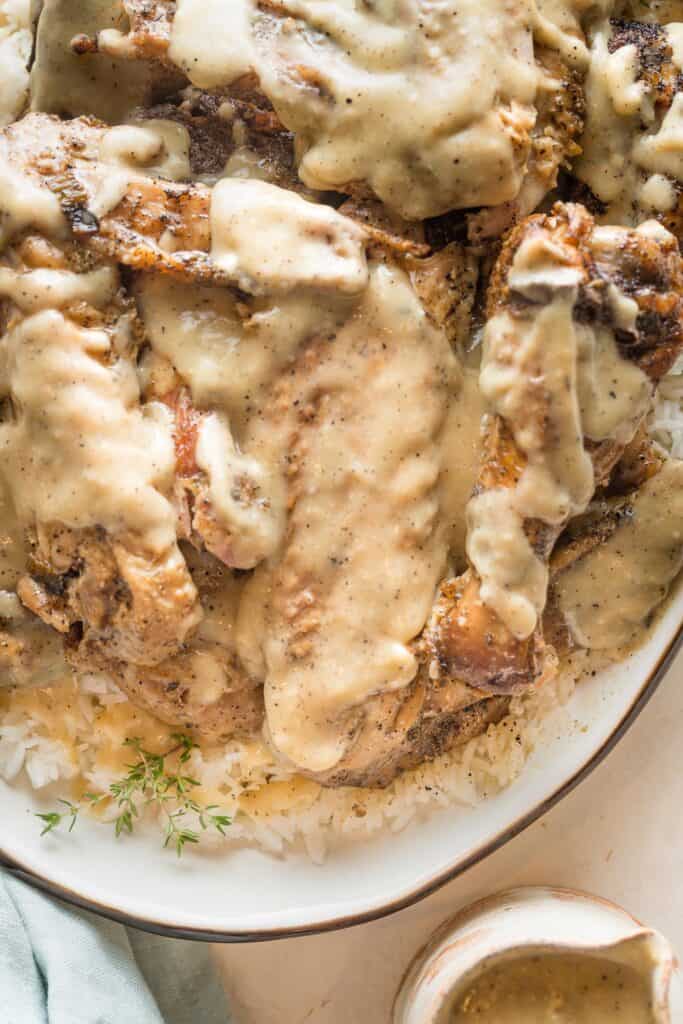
246	894
535	920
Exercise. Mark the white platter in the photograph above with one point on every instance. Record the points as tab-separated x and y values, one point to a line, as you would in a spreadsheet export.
246	895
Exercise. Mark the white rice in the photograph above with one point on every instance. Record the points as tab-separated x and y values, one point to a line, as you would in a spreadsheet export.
270	807
73	734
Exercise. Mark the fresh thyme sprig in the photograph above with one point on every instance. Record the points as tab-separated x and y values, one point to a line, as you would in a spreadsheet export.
54	818
146	783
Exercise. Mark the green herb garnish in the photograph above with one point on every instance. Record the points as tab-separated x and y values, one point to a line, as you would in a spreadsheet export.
54	818
149	783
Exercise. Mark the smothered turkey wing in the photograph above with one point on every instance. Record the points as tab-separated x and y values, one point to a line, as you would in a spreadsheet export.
583	320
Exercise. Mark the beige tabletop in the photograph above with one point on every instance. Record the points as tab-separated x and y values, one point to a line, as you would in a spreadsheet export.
620	834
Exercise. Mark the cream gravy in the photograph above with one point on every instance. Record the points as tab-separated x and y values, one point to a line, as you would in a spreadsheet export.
158	148
607	596
631	155
559	25
35	290
662	152
557	989
228	358
271	239
365	546
24	204
431	103
77	424
128	153
12	550
69	84
313	259
16	43
256	523
211	41
550	397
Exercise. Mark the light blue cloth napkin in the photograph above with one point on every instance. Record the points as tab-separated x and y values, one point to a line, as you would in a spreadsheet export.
64	966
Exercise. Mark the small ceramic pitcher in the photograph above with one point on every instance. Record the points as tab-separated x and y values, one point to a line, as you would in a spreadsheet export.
536	920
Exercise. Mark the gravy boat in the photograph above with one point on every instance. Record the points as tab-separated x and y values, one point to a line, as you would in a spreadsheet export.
531	921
